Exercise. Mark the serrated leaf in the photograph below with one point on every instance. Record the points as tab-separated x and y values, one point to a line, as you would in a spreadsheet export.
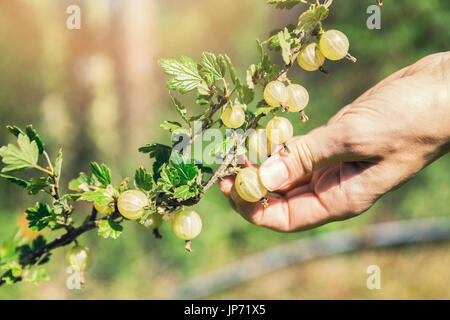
223	148
186	171
171	126
20	182
33	135
248	95
260	50
22	158
159	152
38	216
58	164
310	18
283	37
185	74
169	178
210	65
143	180
203	89
102	173
82	183
264	110
234	78
183	192
100	197
250	74
179	107
109	229
36	185
222	64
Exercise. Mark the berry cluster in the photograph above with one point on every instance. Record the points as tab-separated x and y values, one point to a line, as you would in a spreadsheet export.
333	45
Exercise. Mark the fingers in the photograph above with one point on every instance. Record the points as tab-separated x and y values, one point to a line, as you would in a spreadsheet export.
322	146
300	211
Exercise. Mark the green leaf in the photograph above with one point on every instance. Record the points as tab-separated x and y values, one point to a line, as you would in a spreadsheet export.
211	65
186	171
159	152
264	110
32	134
81	183
36	276
285	45
221	149
169	178
100	197
179	107
15	131
58	164
102	173
143	180
37	185
203	89
39	216
236	81
260	50
222	64
309	19
62	204
250	74
19	182
172	126
285	4
185	74
109	229
321	12
248	95
183	192
22	158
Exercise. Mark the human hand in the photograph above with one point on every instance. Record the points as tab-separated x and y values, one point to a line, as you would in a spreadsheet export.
368	148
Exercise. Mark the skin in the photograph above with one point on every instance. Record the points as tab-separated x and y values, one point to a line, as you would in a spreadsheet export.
370	147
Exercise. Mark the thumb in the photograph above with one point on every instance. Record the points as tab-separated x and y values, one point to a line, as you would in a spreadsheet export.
322	146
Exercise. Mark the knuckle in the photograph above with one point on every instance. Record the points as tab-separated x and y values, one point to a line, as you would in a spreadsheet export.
357	140
303	156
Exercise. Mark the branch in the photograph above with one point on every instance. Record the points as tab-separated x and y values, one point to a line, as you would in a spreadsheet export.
61	241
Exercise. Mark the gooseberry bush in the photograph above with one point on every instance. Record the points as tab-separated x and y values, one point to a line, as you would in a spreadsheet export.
176	180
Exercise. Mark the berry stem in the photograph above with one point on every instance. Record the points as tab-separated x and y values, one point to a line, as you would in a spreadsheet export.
187	247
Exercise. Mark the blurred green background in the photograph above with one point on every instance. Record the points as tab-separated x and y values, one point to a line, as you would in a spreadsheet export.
99	94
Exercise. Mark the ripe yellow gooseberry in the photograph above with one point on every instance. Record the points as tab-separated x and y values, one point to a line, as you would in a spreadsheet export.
259	146
298	98
310	58
187	224
275	93
248	186
132	204
233	117
334	44
279	130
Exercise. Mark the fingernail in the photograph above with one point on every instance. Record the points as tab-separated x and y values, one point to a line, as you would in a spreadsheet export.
274	173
